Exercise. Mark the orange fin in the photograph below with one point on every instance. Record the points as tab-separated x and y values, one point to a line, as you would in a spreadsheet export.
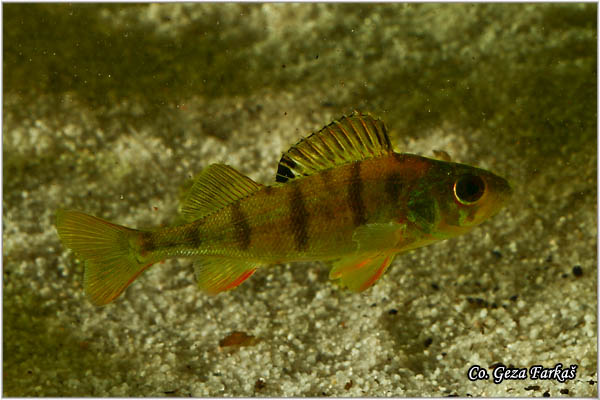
111	259
358	273
217	274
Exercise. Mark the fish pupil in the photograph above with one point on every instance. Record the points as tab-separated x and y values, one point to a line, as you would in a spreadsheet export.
468	189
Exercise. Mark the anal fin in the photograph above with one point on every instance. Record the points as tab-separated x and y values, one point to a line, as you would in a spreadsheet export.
217	274
360	272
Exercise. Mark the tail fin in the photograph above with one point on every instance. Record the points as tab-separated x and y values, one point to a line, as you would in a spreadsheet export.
111	253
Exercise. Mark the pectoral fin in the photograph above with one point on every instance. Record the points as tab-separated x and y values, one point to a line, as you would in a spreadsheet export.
358	273
378	237
216	274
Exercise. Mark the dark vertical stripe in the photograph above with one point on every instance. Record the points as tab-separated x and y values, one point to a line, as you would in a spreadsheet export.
299	217
147	243
393	187
355	191
240	223
191	236
184	236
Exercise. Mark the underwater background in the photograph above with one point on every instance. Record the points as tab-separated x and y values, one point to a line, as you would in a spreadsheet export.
110	109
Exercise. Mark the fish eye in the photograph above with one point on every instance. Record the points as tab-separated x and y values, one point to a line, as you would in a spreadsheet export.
468	189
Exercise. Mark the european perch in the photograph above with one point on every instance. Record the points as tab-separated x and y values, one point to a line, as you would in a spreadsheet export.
341	194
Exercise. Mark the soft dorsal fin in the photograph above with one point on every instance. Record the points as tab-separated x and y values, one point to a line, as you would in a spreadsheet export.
214	188
357	137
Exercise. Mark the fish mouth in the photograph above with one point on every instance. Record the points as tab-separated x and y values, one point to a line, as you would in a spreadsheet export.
501	191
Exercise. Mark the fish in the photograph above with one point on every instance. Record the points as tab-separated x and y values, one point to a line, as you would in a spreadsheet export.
341	195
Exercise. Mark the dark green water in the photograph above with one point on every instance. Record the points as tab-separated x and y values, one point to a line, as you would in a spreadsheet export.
518	70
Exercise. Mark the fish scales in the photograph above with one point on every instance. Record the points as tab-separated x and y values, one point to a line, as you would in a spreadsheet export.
304	220
341	195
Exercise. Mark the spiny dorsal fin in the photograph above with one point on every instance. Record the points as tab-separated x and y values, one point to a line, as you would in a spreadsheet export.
214	188
357	137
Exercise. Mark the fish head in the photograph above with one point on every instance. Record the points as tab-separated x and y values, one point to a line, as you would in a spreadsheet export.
469	197
451	198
